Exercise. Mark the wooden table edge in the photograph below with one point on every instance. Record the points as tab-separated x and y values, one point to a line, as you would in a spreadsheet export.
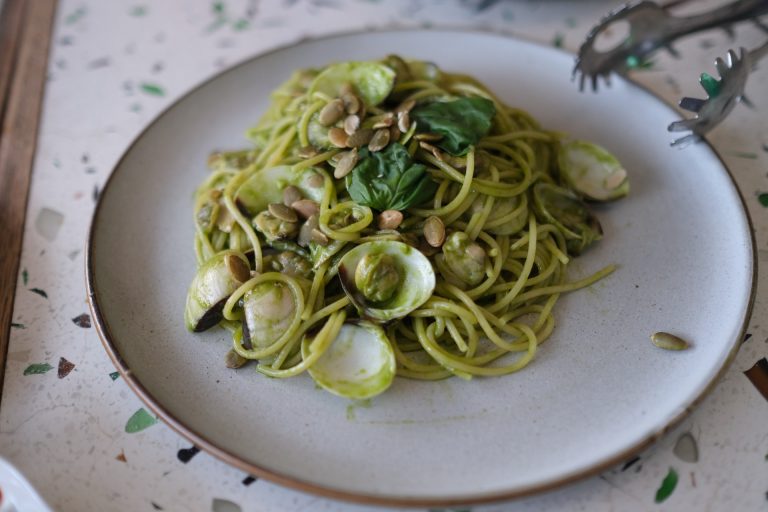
29	23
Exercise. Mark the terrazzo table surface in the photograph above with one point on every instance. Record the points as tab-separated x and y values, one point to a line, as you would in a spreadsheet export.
74	428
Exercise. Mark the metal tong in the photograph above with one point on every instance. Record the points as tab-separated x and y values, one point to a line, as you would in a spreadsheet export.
722	95
652	26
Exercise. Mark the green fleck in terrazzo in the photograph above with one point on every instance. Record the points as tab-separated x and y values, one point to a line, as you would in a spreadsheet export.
763	198
686	448
185	454
17	325
37	369
114	375
557	41
65	367
76	15
138	11
24	277
83	321
667	486
40	292
140	420
152	89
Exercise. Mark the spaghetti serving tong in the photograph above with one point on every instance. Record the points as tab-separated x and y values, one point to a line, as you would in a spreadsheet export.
652	26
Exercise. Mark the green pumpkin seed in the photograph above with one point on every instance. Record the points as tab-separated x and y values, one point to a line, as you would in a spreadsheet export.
308	152
319	237
338	137
390	219
283	212
237	267
669	341
291	194
347	162
306	208
351	102
434	231
234	360
385	122
360	138
331	112
379	140
403	121
351	124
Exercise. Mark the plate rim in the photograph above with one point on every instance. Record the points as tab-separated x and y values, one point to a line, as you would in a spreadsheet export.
300	484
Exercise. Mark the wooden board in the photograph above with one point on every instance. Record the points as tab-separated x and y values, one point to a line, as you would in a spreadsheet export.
25	34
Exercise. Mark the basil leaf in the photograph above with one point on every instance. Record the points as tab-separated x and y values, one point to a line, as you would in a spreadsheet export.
462	122
389	180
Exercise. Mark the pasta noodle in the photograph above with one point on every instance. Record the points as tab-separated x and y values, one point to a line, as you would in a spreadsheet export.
499	253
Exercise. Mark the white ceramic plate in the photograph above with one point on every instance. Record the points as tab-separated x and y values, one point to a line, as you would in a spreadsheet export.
597	392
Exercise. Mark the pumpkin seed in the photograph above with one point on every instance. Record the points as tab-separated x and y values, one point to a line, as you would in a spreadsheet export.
331	112
360	138
237	267
308	152
405	106
379	140
351	124
305	233
351	102
347	162
282	212
403	121
669	341
390	219
316	181
306	208
319	237
434	231
385	122
215	194
338	137
234	360
291	194
394	133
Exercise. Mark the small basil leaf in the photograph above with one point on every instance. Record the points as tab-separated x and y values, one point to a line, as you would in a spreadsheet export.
389	180
462	122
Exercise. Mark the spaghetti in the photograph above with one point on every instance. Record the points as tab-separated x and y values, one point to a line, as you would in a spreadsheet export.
480	194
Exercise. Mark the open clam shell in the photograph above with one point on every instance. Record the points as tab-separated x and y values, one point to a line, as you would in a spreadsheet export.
214	282
266	186
592	171
359	364
565	210
413	287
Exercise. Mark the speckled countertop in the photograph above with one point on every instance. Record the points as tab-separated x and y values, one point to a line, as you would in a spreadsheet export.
71	425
